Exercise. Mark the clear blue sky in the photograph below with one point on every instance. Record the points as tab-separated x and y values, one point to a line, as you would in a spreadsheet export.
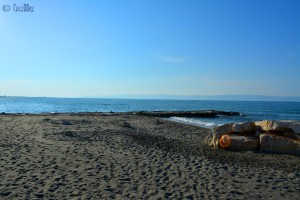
179	47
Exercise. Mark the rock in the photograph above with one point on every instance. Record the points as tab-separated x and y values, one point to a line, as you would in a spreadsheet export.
76	192
39	195
290	135
222	130
286	125
263	125
158	122
274	143
296	127
199	113
67	122
291	175
126	125
257	134
267	125
243	143
69	134
276	136
243	127
5	193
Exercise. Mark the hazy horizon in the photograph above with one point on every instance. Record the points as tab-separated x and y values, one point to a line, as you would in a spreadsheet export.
146	48
182	97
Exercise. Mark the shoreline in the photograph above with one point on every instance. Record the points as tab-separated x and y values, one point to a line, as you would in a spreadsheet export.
131	156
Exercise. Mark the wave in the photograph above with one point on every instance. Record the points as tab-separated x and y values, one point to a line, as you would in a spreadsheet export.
194	122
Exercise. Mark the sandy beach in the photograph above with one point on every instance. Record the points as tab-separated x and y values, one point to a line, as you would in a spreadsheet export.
126	156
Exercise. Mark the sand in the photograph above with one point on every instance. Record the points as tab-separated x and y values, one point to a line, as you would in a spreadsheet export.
121	156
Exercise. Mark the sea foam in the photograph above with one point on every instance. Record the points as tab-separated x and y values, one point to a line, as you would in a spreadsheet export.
195	122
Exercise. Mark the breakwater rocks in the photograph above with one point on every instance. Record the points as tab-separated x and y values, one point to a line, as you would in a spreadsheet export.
273	136
200	113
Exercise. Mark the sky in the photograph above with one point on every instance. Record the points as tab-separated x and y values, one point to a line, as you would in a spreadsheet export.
175	47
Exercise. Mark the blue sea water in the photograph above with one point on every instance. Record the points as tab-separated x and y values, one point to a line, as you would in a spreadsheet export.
250	110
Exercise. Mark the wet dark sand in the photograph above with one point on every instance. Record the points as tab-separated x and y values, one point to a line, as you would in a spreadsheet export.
122	156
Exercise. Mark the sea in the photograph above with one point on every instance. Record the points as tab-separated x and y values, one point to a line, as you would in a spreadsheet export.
249	110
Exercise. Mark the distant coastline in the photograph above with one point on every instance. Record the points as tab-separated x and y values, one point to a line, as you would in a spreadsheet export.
212	97
181	97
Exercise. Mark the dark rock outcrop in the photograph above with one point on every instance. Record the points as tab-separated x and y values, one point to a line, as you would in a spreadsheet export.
200	113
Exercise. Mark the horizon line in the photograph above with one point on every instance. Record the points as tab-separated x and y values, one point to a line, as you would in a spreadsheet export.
235	97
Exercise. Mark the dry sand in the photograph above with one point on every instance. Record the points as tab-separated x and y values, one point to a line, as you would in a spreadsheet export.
119	156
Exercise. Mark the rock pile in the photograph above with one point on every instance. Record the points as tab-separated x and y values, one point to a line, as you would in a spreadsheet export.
273	136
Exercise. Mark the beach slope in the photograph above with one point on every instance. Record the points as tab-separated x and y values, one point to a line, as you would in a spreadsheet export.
127	156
